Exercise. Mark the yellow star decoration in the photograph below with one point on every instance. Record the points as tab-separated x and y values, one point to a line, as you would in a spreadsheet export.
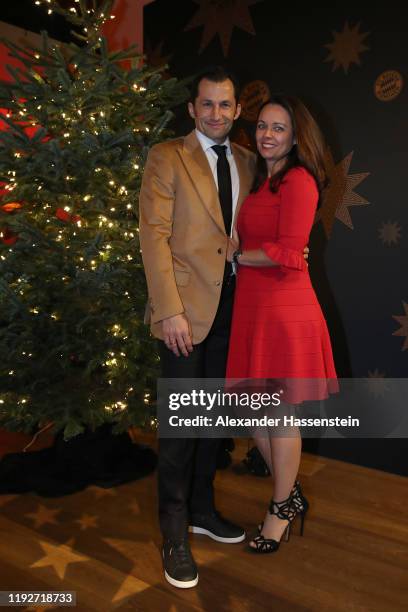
59	557
220	17
403	331
86	521
43	515
340	194
390	233
346	47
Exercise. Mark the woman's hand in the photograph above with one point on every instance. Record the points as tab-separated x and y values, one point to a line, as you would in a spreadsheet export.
233	244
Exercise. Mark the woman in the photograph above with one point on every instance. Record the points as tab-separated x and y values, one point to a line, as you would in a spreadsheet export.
278	329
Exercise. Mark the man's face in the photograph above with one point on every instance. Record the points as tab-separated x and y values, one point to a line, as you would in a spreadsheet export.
215	109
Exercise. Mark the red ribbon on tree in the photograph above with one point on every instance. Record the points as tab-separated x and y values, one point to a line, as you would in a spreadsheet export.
7	236
64	215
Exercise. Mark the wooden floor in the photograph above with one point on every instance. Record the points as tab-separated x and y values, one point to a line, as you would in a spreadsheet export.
104	544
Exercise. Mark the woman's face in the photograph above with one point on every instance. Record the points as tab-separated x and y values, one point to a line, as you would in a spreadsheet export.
274	134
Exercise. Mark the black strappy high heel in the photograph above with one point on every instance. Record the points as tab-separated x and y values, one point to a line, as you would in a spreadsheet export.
300	503
284	510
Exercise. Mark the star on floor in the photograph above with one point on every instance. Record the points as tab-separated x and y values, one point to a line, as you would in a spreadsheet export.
134	507
41	608
44	515
390	233
86	521
220	17
346	47
102	492
339	196
403	331
236	602
146	561
5	499
59	557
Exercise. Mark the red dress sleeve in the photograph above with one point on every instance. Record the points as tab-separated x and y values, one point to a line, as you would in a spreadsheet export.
299	196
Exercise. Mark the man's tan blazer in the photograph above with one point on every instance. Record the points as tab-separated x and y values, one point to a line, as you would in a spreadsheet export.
182	233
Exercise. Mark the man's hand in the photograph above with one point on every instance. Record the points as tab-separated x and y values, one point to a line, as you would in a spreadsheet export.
233	244
177	335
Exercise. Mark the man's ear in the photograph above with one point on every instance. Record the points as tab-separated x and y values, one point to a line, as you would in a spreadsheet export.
191	112
237	112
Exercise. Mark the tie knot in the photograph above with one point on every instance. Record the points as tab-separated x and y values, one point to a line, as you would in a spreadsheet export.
221	150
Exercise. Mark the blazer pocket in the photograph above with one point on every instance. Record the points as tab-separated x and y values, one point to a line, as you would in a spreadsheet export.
182	277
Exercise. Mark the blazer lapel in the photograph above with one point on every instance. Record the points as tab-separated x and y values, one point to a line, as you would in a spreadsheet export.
245	177
197	166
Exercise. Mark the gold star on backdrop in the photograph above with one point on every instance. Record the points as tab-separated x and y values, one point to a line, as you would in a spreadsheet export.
220	17
390	233
43	515
86	521
376	374
59	557
155	55
346	47
242	138
403	331
377	383
339	196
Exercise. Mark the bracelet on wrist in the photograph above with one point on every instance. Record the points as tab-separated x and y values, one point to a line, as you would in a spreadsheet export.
236	255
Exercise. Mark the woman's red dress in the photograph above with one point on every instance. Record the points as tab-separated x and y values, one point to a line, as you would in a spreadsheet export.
278	329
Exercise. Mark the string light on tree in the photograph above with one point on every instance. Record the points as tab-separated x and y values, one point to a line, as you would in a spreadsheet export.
83	287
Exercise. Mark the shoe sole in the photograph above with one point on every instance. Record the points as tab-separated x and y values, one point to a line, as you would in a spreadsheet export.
181	584
210	534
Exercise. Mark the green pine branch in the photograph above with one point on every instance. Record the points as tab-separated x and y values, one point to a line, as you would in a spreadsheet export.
72	288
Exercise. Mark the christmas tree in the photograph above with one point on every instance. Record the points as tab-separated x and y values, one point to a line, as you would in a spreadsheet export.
74	349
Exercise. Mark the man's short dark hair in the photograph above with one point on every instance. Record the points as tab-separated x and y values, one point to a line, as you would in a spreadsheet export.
215	74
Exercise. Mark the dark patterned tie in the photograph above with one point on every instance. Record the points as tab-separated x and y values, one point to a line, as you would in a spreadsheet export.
224	185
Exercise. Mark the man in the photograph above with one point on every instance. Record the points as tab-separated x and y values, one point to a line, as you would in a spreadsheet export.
191	192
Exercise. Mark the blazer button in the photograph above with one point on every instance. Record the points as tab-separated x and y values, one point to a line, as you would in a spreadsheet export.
219	251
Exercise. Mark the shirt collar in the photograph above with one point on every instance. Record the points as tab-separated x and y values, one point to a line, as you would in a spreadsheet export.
207	143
